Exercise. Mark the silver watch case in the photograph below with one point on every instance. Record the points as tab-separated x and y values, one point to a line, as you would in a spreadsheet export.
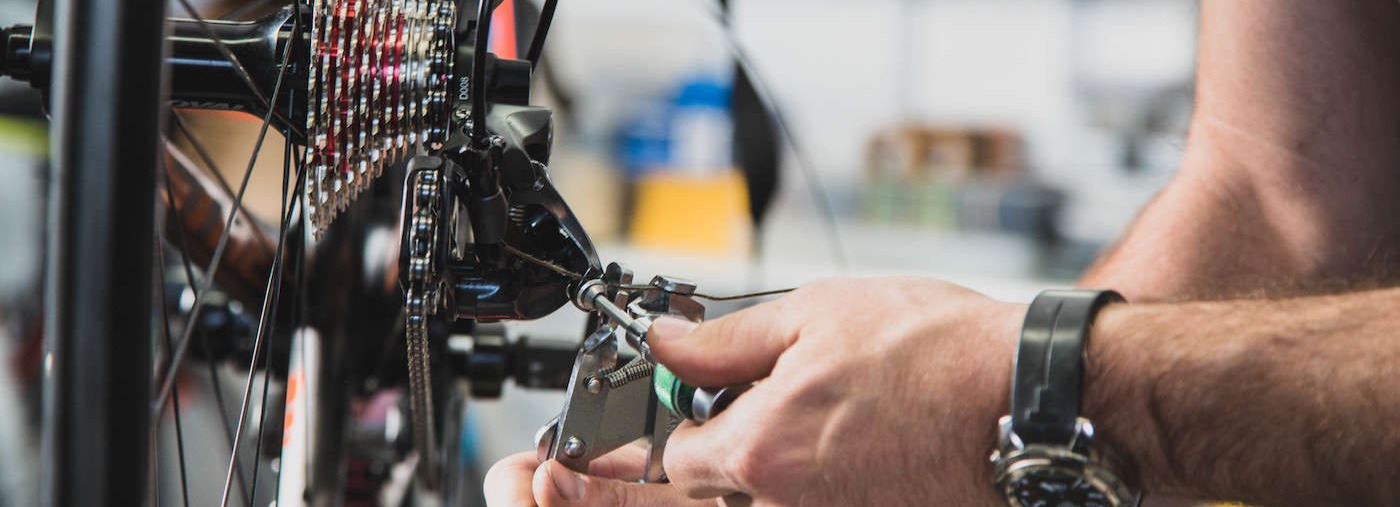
1015	461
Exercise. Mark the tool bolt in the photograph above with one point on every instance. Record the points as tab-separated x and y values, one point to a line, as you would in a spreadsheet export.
594	385
574	448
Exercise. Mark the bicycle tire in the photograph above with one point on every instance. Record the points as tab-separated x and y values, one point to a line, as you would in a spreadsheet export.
105	103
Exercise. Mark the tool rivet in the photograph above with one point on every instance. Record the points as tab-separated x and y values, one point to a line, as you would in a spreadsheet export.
595	386
573	447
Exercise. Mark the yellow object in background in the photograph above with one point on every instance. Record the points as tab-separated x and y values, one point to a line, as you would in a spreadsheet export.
701	213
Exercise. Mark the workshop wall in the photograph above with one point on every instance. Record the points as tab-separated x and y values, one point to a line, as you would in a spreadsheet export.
1070	76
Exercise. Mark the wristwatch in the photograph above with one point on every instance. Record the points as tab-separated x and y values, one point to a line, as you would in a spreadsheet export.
1045	455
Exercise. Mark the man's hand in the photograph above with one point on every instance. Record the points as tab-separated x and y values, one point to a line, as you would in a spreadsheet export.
870	392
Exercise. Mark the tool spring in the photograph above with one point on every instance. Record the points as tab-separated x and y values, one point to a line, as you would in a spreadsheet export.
631	372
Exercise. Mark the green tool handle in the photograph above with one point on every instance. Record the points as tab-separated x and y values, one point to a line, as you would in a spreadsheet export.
687	401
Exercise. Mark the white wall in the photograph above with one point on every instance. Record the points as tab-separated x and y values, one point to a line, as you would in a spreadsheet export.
843	68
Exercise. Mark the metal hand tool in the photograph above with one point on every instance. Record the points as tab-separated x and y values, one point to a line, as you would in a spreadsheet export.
609	406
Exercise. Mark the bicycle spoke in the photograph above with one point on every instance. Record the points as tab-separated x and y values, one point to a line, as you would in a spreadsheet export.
299	309
199	149
214	383
175	403
273	290
208	161
153	474
183	348
276	302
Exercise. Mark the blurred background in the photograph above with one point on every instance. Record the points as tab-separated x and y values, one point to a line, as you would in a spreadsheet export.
998	144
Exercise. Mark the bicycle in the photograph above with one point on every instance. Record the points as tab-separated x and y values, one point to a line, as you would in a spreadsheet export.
403	129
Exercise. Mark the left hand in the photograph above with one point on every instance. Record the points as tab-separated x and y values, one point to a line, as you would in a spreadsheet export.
871	392
522	481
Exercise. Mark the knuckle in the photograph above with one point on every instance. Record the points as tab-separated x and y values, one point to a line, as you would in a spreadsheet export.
621	497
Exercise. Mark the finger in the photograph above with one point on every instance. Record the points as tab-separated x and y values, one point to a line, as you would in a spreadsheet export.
738	348
507	483
709	460
557	486
628	462
696	459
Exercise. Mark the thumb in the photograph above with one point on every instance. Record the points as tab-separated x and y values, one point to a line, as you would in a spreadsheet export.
738	348
555	485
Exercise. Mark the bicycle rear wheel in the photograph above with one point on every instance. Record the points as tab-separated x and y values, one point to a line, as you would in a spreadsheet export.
108	322
115	359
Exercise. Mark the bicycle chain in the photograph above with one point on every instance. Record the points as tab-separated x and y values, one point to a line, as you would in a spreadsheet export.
422	300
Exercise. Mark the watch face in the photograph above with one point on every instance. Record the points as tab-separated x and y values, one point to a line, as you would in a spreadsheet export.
1058	488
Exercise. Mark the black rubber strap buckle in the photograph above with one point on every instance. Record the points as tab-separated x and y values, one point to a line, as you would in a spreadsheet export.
1049	367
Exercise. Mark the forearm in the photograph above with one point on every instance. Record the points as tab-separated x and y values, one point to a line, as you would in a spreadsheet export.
1289	179
1276	403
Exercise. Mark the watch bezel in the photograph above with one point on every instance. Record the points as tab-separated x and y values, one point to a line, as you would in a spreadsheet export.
1021	465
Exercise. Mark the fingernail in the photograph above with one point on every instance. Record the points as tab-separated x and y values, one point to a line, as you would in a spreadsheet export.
568	483
670	328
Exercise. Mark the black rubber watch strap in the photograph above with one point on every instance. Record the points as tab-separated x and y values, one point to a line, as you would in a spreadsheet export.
1049	368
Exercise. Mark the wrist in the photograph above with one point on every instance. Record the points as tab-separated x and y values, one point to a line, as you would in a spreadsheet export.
1001	326
1121	371
1049	452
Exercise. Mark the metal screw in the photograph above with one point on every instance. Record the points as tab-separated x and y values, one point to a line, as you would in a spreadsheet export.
573	447
594	385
